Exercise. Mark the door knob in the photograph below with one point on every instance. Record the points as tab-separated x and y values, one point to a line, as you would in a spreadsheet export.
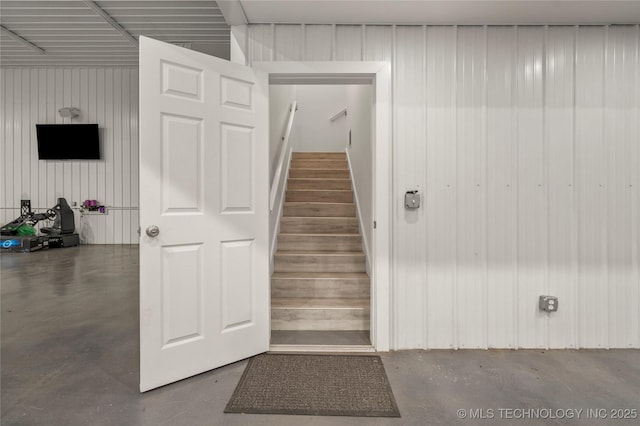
153	231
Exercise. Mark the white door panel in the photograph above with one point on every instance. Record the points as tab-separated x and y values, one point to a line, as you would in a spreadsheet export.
204	290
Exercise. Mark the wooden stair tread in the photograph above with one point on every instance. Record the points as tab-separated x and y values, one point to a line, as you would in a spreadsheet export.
318	253
319	184
320	275
320	179
319	173
321	160
317	168
320	203
319	190
319	195
315	153
318	303
299	234
351	218
318	209
319	225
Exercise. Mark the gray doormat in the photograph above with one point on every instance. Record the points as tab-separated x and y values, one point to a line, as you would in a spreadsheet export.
318	385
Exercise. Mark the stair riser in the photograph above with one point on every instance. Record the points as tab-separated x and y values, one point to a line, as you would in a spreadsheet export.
320	209
320	196
319	263
320	164
319	156
317	173
319	242
320	288
326	184
318	225
320	319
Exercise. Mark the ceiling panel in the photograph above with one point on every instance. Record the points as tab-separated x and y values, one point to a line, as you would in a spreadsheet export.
72	33
441	12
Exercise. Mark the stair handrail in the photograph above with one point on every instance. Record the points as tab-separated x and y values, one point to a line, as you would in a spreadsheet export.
277	177
341	113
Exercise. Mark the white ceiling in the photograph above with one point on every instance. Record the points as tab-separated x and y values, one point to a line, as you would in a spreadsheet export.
463	12
70	32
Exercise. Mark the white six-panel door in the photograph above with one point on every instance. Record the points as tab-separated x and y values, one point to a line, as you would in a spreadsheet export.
204	279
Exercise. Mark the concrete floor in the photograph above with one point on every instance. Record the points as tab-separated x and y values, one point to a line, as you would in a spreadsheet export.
69	348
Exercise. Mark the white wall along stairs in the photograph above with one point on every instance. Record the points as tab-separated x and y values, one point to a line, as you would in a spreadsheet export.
319	281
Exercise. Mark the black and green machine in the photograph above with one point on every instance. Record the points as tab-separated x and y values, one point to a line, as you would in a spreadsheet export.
20	234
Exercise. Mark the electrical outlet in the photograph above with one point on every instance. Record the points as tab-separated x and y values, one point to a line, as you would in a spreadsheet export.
412	199
548	303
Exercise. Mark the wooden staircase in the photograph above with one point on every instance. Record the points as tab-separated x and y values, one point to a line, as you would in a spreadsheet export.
319	280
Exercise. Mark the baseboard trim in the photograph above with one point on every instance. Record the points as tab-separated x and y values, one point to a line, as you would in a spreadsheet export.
365	243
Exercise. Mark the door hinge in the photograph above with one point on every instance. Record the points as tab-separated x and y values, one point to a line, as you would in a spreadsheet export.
375	224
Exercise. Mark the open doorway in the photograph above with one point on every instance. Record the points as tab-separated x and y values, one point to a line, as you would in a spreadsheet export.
378	76
322	231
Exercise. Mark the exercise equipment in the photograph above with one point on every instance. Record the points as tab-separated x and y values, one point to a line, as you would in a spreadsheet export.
30	219
60	234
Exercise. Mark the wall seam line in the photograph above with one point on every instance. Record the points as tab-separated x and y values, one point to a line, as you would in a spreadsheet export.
605	187
394	292
517	188
456	334
577	294
424	270
546	177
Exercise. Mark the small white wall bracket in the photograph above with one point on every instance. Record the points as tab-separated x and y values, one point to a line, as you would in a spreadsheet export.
69	112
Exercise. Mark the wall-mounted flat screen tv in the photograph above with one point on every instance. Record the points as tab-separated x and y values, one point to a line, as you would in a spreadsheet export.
68	141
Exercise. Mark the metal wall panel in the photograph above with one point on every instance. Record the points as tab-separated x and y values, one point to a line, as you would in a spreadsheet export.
409	117
107	96
591	187
380	41
439	190
502	201
261	44
637	185
471	196
348	43
288	39
621	144
531	188
318	43
559	134
524	141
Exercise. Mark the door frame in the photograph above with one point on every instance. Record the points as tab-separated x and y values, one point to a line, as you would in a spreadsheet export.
378	74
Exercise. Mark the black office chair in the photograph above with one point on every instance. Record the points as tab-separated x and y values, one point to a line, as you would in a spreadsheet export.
64	222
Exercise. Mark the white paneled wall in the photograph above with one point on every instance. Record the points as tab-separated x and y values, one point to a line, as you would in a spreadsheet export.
107	96
524	142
